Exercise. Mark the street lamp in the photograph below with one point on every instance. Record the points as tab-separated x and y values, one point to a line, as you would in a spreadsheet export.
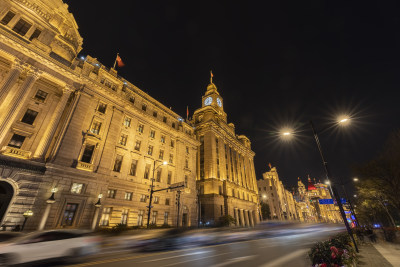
49	201
152	190
342	120
96	213
355	179
27	214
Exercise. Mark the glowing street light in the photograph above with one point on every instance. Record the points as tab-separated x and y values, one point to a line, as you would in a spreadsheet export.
355	179
343	120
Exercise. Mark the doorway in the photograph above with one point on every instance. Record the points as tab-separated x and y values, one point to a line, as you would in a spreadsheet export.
6	194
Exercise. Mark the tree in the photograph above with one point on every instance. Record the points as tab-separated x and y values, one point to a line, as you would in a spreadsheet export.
379	189
265	211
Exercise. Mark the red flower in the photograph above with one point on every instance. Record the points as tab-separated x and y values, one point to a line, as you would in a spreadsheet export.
333	255
334	250
323	265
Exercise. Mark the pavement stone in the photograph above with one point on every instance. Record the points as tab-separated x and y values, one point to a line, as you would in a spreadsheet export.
380	254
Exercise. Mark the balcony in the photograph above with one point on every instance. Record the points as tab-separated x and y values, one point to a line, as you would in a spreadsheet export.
16	152
84	166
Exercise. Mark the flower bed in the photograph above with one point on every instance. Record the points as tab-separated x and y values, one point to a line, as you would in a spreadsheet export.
334	252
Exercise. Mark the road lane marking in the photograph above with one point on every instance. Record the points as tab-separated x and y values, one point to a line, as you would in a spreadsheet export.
234	260
177	256
286	258
176	263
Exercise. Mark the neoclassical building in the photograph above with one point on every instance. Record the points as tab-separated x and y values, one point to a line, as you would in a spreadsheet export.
280	200
72	127
226	175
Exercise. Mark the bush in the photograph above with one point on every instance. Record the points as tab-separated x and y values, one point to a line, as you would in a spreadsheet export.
226	220
336	251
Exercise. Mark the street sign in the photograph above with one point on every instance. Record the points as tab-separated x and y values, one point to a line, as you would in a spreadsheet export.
176	186
326	201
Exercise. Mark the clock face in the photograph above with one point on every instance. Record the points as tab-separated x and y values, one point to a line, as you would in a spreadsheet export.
208	101
219	102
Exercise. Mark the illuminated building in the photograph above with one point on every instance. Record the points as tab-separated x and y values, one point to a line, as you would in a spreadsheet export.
226	175
280	200
72	124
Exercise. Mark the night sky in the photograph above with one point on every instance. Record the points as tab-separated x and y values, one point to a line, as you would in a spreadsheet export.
275	63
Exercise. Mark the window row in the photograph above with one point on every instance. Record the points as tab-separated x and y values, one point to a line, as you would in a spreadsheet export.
126	214
21	27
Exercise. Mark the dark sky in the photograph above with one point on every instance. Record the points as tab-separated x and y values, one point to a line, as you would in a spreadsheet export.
275	63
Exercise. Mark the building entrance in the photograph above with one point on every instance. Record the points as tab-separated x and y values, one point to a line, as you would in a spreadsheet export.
6	194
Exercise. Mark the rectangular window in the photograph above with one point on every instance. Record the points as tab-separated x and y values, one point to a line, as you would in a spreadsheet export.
128	196
163	139
147	171
88	153
16	141
96	126
171	158
186	163
152	133
186	181
169	179
173	125
164	119
76	188
29	116
123	139
8	17
22	27
137	145
140	218
35	34
102	108
158	177
40	96
156	200
118	163
105	217
127	122
167	201
132	100
142	198
144	107
172	143
132	171
166	214
161	155
155	114
69	214
187	150
220	189
111	193
124	216
154	217
150	150
140	128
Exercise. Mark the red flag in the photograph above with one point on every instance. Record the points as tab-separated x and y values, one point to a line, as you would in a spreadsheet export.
119	62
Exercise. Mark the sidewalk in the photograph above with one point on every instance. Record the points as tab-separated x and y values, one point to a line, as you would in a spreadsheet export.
382	254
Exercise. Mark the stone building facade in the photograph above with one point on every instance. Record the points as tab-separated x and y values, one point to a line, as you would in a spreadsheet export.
226	176
280	200
72	127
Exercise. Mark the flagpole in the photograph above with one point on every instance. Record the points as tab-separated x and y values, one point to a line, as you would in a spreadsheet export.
115	62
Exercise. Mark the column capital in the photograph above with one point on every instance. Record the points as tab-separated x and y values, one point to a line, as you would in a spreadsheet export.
17	64
34	72
67	89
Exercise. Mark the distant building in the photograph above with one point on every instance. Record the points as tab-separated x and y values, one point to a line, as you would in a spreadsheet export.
279	199
226	176
72	126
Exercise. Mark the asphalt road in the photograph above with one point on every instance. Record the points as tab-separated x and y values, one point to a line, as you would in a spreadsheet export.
285	246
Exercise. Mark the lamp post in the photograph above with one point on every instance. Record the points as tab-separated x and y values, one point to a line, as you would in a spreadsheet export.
49	201
152	190
333	188
27	214
96	213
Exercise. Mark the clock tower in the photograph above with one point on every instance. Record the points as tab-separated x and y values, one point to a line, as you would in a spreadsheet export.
225	175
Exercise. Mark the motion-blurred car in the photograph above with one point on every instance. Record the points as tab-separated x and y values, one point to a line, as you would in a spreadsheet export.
43	246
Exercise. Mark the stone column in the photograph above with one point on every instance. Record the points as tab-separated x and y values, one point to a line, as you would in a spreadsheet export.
13	108
96	215
251	218
52	126
237	216
241	217
9	81
44	217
